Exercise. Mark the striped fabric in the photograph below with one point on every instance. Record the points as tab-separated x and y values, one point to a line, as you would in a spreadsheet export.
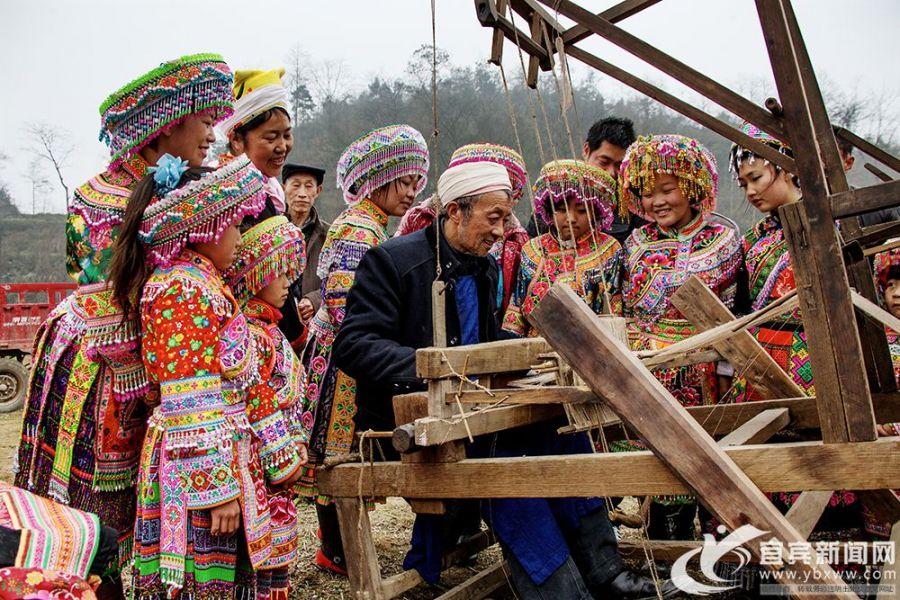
54	537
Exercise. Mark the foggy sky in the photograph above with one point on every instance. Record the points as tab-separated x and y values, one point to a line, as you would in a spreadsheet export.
61	58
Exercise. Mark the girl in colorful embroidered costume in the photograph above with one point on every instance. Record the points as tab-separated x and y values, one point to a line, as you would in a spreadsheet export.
577	201
671	181
380	173
270	257
84	419
771	276
768	263
200	472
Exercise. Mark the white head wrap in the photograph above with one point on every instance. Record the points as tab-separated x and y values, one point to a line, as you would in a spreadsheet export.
255	103
471	179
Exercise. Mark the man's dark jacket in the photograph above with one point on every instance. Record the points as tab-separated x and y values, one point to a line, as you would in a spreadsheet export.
389	316
308	285
314	232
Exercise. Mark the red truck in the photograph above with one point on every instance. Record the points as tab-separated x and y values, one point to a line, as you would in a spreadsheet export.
23	307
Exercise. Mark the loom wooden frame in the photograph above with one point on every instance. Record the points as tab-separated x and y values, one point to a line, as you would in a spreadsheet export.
848	378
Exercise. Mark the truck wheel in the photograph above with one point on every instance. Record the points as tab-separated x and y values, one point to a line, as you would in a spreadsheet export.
13	381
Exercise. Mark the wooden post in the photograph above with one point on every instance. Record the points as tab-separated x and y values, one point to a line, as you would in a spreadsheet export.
879	365
835	351
614	373
705	310
363	569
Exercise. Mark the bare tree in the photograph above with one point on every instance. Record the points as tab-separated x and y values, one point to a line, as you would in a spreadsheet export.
52	145
297	72
39	182
328	81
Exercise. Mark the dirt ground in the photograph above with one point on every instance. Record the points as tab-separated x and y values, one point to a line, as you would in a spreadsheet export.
391	524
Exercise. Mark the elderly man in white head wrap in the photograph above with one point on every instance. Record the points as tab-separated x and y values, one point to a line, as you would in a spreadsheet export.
388	312
475	199
556	548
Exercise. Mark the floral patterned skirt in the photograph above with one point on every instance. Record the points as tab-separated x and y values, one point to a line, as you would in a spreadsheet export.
22	582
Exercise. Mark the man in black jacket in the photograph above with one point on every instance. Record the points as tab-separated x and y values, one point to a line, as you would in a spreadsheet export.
563	548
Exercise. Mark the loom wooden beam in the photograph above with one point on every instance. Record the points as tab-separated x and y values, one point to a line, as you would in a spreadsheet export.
492	357
481	585
874	170
433	431
685	108
869	148
717	419
809	506
829	157
678	70
705	310
401	583
759	429
842	392
610	369
875	234
408	408
801	466
878	361
614	14
489	16
867	199
873	310
531	75
497	38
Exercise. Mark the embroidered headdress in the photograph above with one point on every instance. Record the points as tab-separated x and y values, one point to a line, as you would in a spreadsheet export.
270	248
561	180
255	92
380	157
684	157
887	266
201	210
137	113
739	154
495	153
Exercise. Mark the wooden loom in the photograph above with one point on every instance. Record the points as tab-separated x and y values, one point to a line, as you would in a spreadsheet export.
853	372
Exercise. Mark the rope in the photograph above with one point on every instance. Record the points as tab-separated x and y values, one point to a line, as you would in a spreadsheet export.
435	140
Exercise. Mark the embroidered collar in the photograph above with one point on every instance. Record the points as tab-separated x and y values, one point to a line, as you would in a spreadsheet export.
688	231
203	264
373	210
136	166
260	310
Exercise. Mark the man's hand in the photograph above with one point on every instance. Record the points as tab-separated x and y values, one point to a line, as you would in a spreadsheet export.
226	518
884	430
305	309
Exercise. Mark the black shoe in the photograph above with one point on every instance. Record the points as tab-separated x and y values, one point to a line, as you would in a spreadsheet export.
663	570
628	585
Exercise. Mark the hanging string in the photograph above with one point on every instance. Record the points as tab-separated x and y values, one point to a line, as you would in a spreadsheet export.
435	142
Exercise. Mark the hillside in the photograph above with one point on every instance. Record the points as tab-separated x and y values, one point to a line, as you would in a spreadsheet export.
32	248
